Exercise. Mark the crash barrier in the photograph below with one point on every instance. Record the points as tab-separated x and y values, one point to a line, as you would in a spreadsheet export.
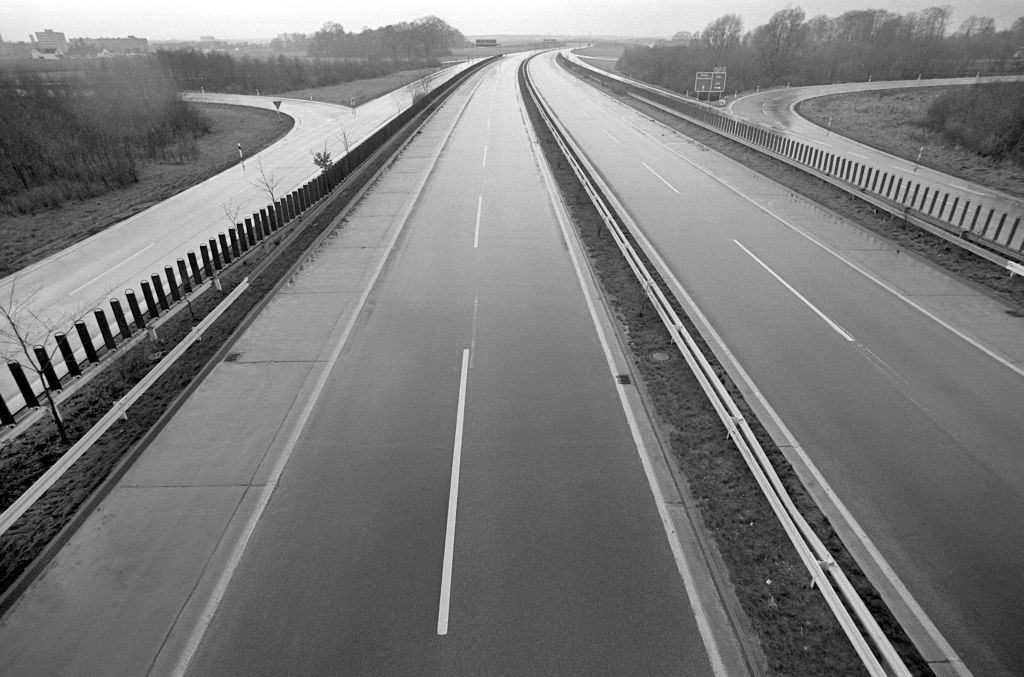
867	638
985	228
74	352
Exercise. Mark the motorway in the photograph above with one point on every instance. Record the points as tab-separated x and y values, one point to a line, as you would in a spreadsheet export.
894	388
465	493
70	283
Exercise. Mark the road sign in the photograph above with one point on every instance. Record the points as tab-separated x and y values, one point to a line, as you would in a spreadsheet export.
703	81
718	80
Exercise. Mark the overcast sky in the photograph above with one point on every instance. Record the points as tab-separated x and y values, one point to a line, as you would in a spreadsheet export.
188	19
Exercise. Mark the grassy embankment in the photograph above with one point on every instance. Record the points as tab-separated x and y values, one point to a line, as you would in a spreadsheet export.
984	146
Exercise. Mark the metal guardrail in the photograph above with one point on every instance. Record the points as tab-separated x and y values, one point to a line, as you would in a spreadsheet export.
991	232
118	410
872	646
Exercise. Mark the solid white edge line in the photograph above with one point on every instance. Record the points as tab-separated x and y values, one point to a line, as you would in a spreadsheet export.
660	177
235	558
699	614
476	230
817	311
949	654
453	503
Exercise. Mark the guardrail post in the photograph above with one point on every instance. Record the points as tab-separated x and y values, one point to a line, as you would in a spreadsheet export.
6	418
86	340
258	225
46	367
183	274
207	265
243	241
122	323
215	255
233	236
172	283
193	263
158	288
24	387
224	251
133	304
69	355
147	294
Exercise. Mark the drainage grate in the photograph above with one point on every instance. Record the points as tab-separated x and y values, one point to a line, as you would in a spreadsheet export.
623	379
232	357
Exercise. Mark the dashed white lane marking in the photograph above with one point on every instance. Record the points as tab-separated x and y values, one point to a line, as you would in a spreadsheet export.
662	178
832	323
610	135
476	231
483	163
109	270
453	502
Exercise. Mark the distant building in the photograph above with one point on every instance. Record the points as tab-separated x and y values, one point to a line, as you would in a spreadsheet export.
49	45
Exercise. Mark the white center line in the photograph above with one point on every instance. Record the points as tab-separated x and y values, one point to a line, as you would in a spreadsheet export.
484	163
832	323
109	270
610	135
476	231
660	177
453	501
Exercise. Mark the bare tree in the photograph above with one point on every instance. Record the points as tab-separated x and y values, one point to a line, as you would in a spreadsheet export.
22	329
722	35
266	182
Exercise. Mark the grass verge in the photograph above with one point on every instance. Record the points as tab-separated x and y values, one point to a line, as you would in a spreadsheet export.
794	627
360	90
32	237
892	120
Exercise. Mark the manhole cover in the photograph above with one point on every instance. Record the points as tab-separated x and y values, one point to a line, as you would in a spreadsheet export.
660	356
232	357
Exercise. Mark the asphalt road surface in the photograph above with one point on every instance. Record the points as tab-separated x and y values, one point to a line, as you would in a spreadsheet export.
776	108
69	284
917	429
478	346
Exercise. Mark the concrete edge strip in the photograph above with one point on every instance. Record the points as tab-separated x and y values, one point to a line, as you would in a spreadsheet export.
785	439
655	467
234	559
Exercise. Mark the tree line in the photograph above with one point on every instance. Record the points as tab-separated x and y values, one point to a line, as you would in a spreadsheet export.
81	136
194	70
791	49
425	38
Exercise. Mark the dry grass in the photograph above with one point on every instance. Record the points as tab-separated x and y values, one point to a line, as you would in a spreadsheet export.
31	238
891	120
360	90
